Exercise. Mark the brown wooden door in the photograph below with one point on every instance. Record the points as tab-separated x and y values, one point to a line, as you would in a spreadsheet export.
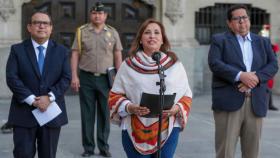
67	15
126	16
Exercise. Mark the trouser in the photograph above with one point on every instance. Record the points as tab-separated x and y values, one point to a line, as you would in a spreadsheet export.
94	93
270	102
229	126
25	140
167	151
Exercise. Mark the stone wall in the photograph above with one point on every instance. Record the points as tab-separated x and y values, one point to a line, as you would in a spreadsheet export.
196	65
10	26
178	16
4	90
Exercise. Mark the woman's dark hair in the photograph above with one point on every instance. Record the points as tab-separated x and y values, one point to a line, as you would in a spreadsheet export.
235	7
165	47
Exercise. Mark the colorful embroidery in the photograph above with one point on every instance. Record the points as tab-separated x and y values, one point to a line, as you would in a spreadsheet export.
143	134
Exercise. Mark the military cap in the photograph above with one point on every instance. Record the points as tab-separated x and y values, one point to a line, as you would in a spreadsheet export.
98	7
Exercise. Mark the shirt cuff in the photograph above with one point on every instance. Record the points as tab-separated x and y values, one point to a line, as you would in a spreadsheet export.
30	99
237	78
51	96
122	112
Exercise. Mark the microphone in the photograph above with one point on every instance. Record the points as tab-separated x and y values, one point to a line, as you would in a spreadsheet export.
156	57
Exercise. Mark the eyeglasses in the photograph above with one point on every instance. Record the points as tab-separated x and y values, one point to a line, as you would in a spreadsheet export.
239	18
41	23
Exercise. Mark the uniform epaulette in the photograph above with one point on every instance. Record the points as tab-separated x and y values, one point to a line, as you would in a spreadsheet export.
83	26
111	27
79	37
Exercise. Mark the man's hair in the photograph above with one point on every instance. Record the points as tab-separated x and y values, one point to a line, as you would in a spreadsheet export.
235	7
42	12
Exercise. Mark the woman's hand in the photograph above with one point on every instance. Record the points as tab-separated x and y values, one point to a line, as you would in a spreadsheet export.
137	110
171	112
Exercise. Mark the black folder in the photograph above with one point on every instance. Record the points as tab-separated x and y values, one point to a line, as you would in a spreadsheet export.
152	101
111	74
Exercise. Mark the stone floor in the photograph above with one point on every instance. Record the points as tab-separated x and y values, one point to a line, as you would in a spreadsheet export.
196	141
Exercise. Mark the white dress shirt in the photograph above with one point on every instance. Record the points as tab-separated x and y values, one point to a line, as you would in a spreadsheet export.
30	99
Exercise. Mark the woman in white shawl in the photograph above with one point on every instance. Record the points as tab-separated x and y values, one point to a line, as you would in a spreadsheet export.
138	74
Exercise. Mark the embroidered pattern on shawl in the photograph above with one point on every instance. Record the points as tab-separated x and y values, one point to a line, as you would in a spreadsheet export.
137	64
146	134
114	102
185	107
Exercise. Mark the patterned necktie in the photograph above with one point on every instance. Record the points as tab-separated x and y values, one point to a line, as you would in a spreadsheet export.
41	58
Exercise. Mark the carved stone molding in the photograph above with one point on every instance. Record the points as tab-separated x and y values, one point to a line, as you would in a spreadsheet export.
150	2
7	8
174	10
25	1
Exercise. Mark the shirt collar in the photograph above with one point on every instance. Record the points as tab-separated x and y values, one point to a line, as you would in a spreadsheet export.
35	44
92	28
247	37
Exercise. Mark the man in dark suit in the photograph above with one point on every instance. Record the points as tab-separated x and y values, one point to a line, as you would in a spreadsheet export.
38	73
242	63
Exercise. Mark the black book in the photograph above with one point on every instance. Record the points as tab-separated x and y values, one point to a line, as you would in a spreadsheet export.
152	101
111	73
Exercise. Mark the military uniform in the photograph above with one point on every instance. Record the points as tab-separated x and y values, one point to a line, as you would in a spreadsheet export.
97	49
96	55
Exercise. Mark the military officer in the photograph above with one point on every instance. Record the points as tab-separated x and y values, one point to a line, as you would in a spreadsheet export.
96	47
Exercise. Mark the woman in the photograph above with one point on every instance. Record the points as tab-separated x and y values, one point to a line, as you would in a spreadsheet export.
138	74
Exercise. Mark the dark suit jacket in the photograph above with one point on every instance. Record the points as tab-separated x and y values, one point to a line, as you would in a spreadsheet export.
225	61
23	78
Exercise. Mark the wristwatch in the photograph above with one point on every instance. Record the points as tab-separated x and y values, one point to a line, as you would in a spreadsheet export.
51	97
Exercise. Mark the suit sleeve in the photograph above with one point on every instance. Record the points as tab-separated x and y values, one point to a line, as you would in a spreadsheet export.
14	82
271	67
63	83
216	64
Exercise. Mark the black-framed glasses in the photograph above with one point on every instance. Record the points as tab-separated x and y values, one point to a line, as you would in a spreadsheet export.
41	23
239	18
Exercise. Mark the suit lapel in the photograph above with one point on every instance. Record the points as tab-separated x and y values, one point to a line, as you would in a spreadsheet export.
235	44
256	43
48	57
32	56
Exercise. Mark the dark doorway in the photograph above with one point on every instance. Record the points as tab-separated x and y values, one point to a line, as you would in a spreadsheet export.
67	15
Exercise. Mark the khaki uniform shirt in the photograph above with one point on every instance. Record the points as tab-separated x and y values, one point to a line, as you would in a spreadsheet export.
97	49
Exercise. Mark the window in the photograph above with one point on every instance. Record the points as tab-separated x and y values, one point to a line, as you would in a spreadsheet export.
212	19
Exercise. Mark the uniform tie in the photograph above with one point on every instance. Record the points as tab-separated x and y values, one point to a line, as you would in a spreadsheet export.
41	58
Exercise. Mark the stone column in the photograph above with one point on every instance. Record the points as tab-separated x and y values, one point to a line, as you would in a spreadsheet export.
10	26
10	21
179	29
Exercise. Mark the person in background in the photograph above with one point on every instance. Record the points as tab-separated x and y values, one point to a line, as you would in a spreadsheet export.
270	83
38	74
139	74
265	32
96	47
6	128
241	62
